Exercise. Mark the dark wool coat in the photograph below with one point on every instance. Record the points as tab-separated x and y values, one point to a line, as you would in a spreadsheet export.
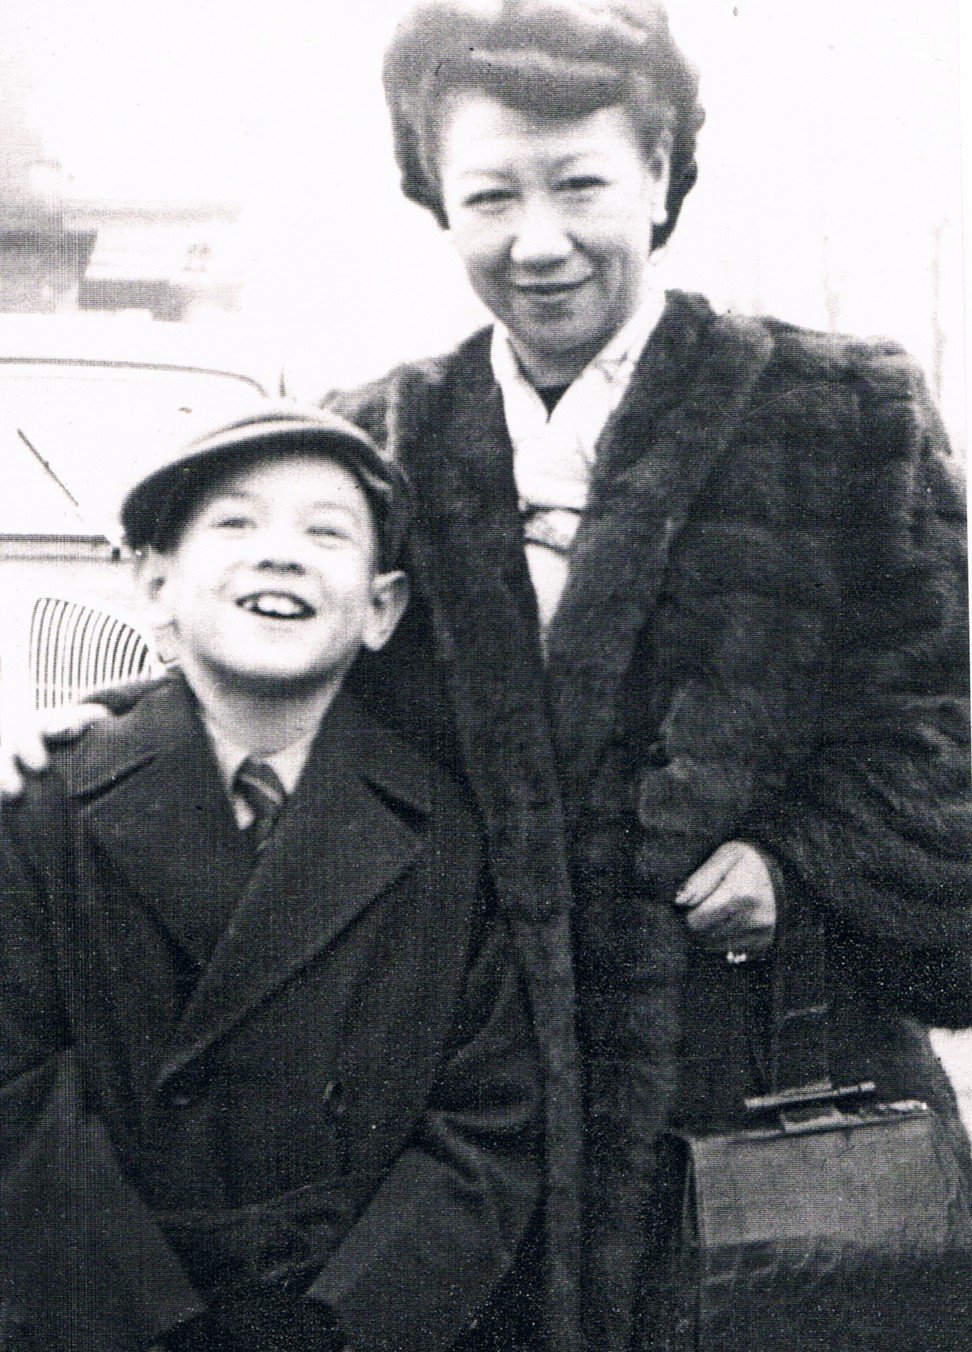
763	636
344	1090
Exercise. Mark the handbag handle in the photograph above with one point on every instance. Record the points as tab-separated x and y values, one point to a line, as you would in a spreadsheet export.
801	1088
800	1006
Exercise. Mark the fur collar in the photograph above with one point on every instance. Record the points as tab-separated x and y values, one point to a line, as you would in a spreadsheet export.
690	387
676	421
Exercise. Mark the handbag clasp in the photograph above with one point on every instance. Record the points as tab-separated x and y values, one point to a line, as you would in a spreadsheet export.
811	1107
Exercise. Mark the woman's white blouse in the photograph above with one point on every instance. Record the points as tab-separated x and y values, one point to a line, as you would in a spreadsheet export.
554	455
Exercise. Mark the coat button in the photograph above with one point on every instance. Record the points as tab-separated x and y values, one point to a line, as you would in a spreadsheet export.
658	756
333	1097
186	1095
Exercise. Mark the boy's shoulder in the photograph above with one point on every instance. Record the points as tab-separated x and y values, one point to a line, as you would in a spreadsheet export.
104	755
163	721
113	747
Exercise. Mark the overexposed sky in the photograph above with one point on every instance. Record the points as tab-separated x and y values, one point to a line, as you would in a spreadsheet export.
175	99
831	151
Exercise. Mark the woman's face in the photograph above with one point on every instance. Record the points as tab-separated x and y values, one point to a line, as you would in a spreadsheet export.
552	220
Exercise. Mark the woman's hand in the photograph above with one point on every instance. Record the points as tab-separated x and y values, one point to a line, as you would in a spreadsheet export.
730	903
26	752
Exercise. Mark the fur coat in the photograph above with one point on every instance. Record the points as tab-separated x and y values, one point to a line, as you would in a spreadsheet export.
763	636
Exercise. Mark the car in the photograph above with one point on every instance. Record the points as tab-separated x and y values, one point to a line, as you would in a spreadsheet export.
86	401
88	404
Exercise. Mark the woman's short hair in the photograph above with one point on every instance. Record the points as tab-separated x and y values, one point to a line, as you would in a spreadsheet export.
552	58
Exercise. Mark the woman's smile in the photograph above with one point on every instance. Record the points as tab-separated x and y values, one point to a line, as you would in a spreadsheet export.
551	291
552	219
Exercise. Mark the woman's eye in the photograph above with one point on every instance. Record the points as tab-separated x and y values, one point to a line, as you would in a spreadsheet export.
581	185
231	522
325	532
488	199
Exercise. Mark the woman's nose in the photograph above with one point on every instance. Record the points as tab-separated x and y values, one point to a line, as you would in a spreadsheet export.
541	240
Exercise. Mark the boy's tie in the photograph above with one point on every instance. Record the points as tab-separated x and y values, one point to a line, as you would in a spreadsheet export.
259	786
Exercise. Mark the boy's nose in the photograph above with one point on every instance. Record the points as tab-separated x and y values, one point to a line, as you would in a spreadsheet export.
542	240
277	548
278	562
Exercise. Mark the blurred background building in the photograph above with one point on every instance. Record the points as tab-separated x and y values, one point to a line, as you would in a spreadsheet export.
64	249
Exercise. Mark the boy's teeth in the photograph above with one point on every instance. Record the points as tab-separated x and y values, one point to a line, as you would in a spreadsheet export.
276	604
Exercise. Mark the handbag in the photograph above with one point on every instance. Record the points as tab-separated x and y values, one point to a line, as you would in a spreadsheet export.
831	1222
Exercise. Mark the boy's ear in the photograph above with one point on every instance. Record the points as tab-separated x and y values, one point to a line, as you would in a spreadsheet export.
389	597
151	575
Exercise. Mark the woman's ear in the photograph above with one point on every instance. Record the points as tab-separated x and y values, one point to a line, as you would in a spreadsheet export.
660	165
389	597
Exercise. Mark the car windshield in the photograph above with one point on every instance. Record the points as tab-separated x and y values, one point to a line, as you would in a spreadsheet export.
75	435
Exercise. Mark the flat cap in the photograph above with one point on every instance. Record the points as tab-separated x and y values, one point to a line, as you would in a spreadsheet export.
158	505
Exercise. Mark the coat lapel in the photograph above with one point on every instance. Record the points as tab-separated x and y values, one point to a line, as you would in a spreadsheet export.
338	846
159	810
469	568
655	456
470	544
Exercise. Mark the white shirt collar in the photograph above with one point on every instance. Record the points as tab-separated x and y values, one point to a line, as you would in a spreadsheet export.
288	763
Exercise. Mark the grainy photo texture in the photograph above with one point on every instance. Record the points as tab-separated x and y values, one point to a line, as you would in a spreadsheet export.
485	831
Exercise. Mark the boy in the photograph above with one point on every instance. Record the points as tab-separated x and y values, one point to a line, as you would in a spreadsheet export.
254	925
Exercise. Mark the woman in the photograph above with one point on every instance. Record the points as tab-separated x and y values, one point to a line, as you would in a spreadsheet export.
688	614
694	589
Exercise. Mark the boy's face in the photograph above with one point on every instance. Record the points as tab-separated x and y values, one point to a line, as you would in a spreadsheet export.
272	584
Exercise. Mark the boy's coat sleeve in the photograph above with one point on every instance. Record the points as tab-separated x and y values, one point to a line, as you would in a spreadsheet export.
79	1250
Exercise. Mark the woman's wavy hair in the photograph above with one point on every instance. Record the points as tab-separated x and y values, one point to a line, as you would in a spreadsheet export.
551	58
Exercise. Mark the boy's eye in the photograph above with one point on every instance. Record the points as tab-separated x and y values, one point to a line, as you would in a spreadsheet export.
324	530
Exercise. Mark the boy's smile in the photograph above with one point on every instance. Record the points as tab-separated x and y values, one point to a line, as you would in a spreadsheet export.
272	585
277	605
